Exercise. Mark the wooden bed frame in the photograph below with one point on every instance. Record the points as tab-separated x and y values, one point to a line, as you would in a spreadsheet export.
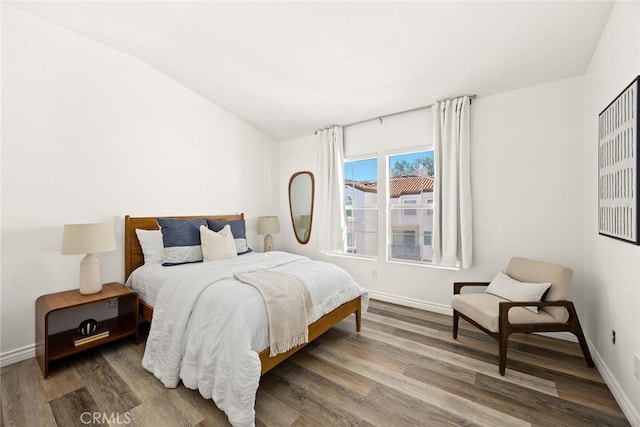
133	258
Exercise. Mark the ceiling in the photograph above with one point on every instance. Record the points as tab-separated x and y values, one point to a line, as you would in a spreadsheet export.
289	68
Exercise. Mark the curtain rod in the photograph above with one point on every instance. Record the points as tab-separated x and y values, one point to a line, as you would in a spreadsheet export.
471	97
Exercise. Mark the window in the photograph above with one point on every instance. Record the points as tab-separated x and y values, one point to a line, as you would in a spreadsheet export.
361	206
348	202
409	212
427	238
404	244
410	206
351	248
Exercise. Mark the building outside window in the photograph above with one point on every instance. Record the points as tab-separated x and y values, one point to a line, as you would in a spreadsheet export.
361	206
408	212
410	206
348	203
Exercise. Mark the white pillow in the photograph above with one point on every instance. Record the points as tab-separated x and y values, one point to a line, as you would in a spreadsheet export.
152	247
216	246
513	290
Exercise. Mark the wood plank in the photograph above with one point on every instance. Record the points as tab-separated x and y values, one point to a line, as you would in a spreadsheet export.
562	411
409	411
160	411
272	412
126	361
211	413
78	408
108	389
62	380
23	398
356	383
333	395
289	391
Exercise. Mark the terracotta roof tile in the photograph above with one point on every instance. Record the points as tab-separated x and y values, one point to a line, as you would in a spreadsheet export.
400	185
366	186
410	184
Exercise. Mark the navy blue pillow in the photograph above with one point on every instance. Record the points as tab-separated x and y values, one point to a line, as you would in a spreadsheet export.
238	229
181	240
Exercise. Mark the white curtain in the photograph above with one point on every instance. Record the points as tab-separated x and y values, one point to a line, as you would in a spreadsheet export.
452	225
332	230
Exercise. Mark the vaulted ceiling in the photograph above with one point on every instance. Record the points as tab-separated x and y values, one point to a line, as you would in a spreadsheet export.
289	68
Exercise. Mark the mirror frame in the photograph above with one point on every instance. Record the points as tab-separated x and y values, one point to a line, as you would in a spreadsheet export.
293	224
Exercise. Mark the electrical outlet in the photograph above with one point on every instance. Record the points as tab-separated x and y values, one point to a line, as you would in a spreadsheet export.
613	336
112	303
636	366
374	272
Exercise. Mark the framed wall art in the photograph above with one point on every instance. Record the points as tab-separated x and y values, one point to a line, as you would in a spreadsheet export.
618	164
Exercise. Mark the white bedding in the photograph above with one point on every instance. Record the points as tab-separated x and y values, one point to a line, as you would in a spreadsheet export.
208	328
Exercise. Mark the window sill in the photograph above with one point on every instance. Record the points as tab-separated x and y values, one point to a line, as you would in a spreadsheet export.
352	256
423	264
372	258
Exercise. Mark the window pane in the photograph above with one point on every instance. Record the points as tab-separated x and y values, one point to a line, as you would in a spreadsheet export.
362	233
427	238
410	211
361	206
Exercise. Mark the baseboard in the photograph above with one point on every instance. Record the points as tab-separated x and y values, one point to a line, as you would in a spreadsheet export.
567	336
411	302
621	397
18	355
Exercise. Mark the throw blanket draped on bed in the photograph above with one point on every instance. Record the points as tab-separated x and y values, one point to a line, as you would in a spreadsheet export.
288	306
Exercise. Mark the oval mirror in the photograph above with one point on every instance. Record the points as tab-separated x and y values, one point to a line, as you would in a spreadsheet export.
301	188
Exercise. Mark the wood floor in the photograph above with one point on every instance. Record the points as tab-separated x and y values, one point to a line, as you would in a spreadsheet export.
403	369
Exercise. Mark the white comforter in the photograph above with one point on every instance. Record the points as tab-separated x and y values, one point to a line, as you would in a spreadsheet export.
208	328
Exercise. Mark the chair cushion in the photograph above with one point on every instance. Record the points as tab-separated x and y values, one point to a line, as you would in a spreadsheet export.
528	270
484	309
505	287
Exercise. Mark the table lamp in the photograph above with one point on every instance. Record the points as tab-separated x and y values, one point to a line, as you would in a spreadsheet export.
268	225
88	239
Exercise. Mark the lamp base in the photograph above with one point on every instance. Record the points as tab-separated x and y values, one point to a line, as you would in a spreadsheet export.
268	243
90	281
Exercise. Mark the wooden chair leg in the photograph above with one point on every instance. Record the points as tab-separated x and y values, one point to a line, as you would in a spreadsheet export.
502	356
576	329
456	320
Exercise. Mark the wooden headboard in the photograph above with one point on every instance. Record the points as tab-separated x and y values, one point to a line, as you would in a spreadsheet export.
133	257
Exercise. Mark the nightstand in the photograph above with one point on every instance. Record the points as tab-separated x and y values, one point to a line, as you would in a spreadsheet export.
60	345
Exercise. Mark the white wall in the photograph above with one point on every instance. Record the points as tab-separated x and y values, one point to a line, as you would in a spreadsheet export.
90	135
612	267
527	171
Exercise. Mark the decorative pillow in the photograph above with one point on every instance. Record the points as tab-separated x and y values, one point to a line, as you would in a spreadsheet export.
181	240
217	245
239	231
513	290
151	243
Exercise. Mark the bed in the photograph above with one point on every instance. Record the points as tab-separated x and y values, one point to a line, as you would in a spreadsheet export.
236	400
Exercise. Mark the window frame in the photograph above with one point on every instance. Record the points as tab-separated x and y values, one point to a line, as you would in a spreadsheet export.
420	205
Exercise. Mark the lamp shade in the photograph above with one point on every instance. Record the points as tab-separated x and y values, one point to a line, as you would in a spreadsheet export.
268	225
88	238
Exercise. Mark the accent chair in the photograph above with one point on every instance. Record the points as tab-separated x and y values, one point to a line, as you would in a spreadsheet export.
500	317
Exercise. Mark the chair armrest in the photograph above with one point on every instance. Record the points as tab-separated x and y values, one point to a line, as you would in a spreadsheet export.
505	306
508	304
457	286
